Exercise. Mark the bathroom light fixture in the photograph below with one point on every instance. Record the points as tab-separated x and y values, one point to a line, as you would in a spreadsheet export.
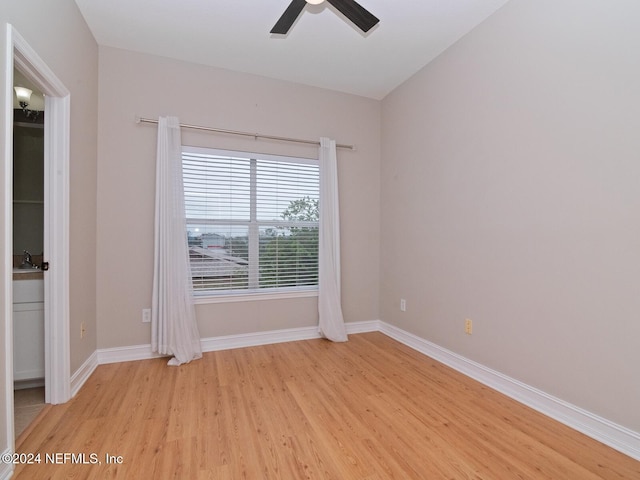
24	97
314	2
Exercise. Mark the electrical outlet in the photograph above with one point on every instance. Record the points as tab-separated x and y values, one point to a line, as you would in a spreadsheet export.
468	326
83	329
146	315
403	305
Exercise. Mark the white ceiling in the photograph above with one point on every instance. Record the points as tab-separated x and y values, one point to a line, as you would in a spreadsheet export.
322	49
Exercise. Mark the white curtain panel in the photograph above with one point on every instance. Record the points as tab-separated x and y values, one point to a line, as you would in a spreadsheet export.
331	324
173	321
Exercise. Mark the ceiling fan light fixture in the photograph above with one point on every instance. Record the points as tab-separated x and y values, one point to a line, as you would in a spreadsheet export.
359	16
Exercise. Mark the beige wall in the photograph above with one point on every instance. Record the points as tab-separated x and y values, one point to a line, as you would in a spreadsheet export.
510	196
69	49
136	84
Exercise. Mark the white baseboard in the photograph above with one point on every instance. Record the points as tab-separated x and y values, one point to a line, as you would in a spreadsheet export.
227	342
83	373
598	428
616	436
125	354
6	469
363	327
212	344
278	336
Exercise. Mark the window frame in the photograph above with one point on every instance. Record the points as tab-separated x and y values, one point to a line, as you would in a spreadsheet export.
253	294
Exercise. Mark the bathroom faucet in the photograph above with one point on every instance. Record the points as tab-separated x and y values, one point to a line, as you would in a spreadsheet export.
26	258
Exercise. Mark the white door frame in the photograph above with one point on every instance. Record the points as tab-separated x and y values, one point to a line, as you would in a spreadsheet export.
56	229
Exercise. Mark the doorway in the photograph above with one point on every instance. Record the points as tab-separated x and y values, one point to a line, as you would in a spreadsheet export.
55	229
28	253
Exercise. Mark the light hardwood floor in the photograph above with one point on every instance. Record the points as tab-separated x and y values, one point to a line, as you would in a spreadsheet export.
368	409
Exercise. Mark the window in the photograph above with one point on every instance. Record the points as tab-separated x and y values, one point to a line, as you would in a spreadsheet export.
252	221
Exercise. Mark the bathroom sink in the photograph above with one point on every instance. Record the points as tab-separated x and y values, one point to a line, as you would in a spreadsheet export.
25	270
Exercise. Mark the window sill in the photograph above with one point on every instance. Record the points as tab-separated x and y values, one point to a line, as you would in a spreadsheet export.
252	297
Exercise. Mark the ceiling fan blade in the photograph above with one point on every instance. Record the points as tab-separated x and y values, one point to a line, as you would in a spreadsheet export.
364	20
289	17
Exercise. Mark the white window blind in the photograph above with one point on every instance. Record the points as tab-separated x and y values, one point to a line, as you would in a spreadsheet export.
252	221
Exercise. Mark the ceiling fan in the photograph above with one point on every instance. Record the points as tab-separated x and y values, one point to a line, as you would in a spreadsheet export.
349	8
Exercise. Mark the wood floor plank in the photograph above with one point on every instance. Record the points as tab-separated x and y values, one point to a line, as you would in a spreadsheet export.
367	409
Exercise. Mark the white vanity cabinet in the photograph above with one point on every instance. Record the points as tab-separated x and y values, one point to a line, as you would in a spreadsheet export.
28	329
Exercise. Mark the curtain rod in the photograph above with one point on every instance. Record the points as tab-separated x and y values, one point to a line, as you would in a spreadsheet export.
245	134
